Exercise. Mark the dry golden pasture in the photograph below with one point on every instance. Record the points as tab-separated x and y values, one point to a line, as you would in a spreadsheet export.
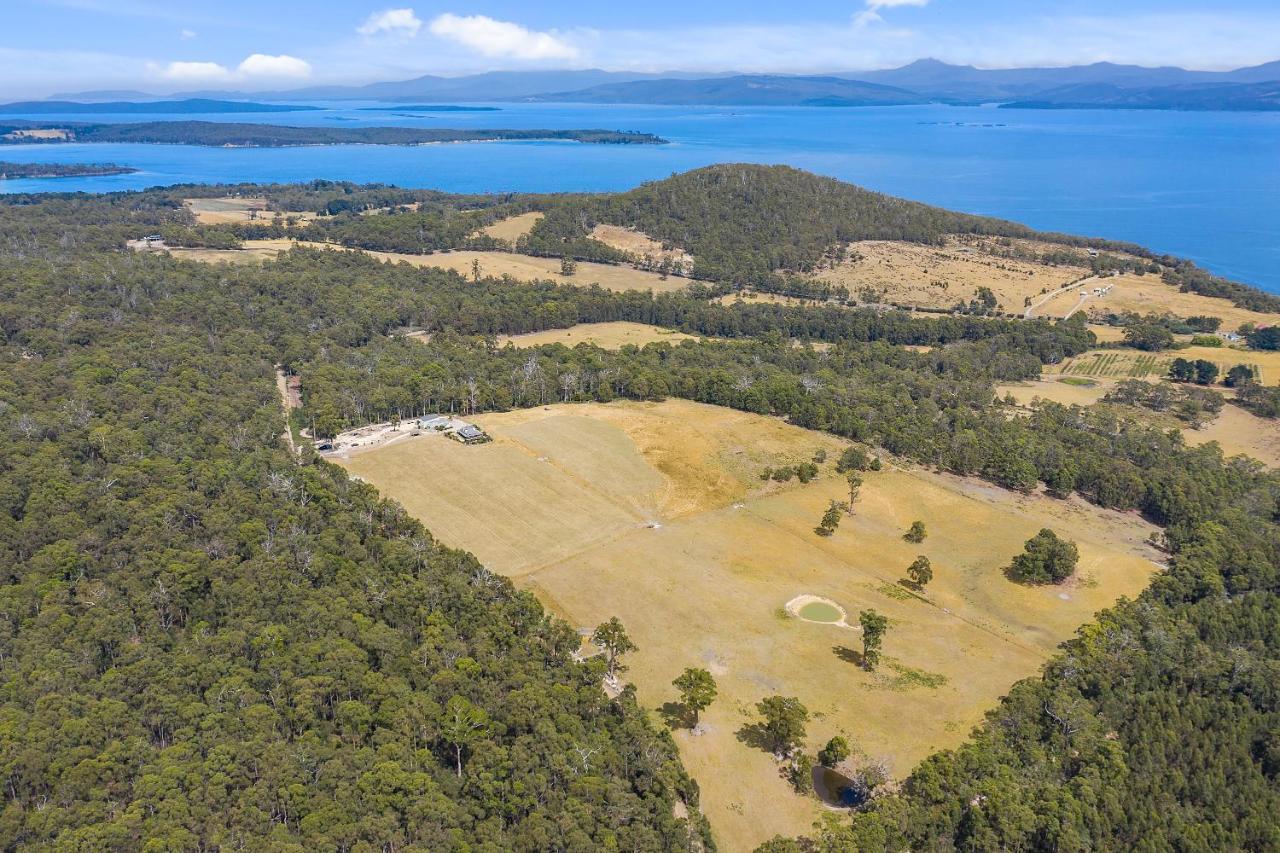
941	276
45	133
522	268
220	211
752	297
655	513
254	252
1149	294
529	268
1053	389
639	245
1107	334
1122	363
1239	431
613	335
513	227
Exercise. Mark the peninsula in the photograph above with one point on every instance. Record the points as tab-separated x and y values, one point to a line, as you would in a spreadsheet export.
237	135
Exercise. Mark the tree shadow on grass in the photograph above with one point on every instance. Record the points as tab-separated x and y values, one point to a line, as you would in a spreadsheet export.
676	715
849	655
755	735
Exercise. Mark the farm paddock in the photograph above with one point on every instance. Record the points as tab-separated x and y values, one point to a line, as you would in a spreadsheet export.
656	513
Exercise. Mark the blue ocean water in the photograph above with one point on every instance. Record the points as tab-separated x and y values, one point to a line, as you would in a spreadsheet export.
1205	186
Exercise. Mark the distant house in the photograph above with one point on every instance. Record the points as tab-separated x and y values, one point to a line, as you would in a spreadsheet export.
471	434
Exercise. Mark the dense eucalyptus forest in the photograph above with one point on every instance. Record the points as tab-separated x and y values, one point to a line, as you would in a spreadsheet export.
206	642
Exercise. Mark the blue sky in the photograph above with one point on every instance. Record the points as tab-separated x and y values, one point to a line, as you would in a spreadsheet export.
171	45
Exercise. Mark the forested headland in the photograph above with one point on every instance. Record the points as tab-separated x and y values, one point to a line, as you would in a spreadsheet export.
209	642
60	170
768	228
244	135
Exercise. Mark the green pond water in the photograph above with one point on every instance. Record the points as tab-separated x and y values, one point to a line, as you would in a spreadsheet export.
819	611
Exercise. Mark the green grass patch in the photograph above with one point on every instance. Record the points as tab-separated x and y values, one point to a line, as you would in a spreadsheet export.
908	678
892	590
1077	381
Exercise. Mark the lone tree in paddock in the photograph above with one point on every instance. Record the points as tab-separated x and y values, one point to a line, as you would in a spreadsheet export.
920	572
916	533
784	722
697	690
612	637
1047	559
830	520
855	486
568	266
873	628
475	269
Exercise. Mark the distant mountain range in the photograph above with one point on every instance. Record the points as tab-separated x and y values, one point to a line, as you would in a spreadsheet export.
756	89
1192	96
490	86
185	106
966	83
1102	85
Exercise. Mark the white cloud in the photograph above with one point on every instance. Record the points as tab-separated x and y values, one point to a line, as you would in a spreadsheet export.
398	22
257	66
871	14
494	38
189	71
261	65
187	34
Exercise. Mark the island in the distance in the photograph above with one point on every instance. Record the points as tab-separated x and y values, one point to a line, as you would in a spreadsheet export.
432	108
61	170
187	105
236	135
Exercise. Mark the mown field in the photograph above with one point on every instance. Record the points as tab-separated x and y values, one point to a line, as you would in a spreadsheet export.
655	513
